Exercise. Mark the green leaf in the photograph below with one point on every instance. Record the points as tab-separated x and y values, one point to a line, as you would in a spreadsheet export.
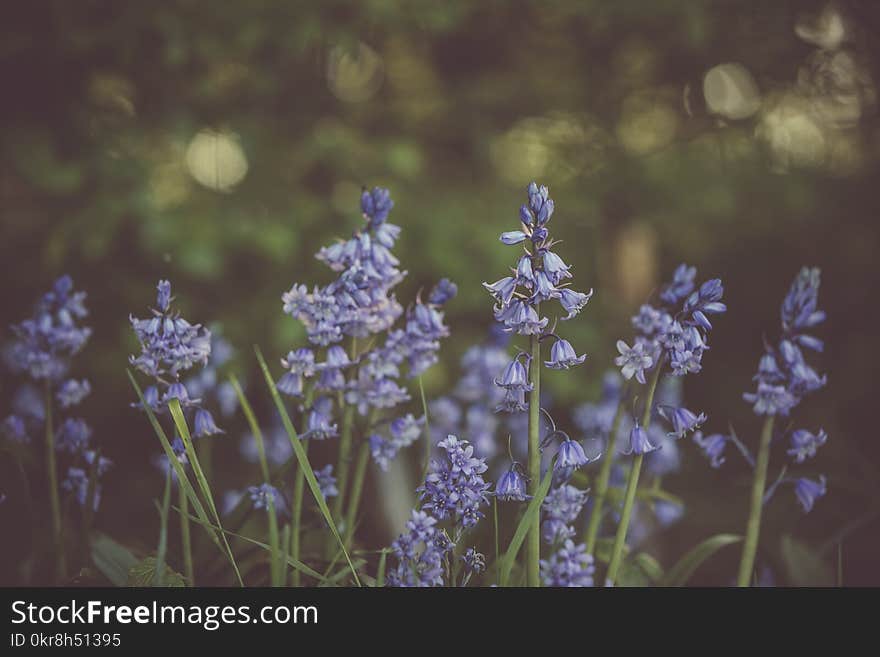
641	570
380	573
112	559
143	573
183	431
533	509
803	566
681	572
304	461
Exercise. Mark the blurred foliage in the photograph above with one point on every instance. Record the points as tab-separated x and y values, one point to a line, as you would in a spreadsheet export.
221	145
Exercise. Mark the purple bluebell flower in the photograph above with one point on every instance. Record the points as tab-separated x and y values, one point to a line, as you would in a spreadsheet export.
560	511
403	432
319	421
808	491
327	481
169	343
515	376
204	424
571	455
73	436
683	421
513	237
804	444
503	289
639	442
261	496
568	566
668	513
454	487
72	392
800	307
771	400
573	302
474	562
77	482
514	401
633	361
14	430
712	446
681	286
563	356
421	552
511	487
443	292
45	343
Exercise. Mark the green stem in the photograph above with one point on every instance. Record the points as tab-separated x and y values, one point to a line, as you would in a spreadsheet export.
753	528
428	445
185	539
360	473
632	485
274	544
604	475
162	549
54	500
533	540
344	462
296	515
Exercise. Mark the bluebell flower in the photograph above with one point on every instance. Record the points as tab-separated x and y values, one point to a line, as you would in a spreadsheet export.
73	436
179	392
72	392
681	286
474	562
204	424
103	465
513	237
563	356
511	487
633	361
319	421
454	487
804	444
403	432
443	292
668	513
13	429
650	321
573	302
262	494
515	376
514	401
571	455
808	491
421	552
169	343
77	482
376	204
560	509
45	342
503	289
519	317
771	400
568	566
327	481
639	442
712	446
667	459
683	421
800	307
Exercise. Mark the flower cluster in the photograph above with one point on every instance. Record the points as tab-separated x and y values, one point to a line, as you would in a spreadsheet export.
540	275
265	495
402	432
675	333
45	342
569	564
170	345
784	377
43	348
454	487
422	551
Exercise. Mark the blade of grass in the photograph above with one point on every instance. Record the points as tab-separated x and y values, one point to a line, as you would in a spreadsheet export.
293	563
254	425
285	549
159	574
185	539
380	572
523	527
182	479
304	461
274	543
183	431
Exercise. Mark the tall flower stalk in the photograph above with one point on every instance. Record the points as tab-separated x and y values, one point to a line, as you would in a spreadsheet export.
673	335
540	275
784	378
43	348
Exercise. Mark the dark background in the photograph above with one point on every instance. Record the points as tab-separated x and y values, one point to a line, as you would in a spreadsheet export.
127	128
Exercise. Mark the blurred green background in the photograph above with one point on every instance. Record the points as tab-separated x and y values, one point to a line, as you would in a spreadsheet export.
219	145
